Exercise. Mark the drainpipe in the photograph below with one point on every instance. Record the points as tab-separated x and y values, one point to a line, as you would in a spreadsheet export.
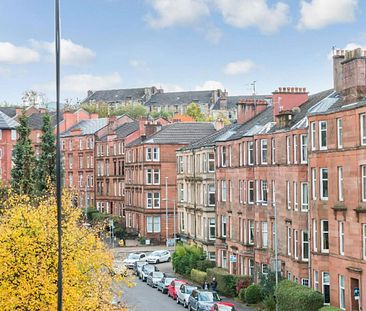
310	238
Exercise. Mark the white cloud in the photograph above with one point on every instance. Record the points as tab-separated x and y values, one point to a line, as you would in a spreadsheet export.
246	13
210	85
81	83
350	46
12	54
238	67
176	12
71	53
213	34
320	13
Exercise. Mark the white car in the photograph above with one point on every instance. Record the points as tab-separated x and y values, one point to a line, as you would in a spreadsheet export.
132	258
183	293
158	257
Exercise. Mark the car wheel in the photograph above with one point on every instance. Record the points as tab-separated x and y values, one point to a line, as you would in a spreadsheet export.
178	301
169	259
157	261
185	304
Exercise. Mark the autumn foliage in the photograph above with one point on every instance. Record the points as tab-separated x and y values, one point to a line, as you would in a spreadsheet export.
28	258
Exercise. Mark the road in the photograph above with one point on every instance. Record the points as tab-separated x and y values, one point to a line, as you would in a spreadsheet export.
142	297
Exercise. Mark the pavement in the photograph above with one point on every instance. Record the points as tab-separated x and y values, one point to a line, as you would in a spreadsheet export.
142	297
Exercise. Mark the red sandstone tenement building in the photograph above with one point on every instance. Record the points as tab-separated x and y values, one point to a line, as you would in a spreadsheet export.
150	170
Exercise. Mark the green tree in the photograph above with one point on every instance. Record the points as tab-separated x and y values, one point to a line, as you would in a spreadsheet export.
194	111
22	174
46	164
133	111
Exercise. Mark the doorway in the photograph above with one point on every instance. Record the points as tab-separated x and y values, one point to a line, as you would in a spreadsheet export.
355	303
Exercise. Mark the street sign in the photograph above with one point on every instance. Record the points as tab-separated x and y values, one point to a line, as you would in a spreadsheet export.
232	258
356	293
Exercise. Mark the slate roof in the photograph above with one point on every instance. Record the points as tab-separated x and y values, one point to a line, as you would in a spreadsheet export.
9	111
210	140
180	98
179	133
124	130
116	95
35	120
6	122
87	127
233	100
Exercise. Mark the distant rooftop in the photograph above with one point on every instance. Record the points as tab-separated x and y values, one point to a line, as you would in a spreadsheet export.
6	122
87	127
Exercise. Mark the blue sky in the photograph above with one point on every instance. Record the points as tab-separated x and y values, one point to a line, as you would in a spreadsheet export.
175	44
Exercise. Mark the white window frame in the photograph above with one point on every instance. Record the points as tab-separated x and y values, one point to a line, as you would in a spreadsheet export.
321	132
211	225
363	129
303	281
341	237
315	235
223	226
289	241
363	183
342	293
296	203
313	183
304	195
364	241
273	153
223	190
273	193
296	244
251	190
156	154
325	283
339	133
322	235
223	161
303	149
322	179
303	243
264	151
340	184
288	149
251	232
316	280
313	135
264	192
250	153
264	234
288	194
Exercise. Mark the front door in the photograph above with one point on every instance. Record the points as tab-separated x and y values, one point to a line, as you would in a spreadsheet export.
355	303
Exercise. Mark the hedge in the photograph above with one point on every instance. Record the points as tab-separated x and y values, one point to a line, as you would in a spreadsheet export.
205	264
226	282
253	294
296	297
330	308
198	276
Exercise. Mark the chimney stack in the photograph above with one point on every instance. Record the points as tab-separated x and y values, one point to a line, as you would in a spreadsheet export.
89	93
349	73
249	108
286	98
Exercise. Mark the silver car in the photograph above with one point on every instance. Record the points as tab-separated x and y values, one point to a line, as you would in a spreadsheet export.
158	257
153	278
132	258
183	293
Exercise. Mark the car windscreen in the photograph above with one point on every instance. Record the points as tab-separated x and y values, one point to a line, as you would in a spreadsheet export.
168	281
178	284
149	268
158	275
156	253
141	263
190	289
133	256
226	308
208	296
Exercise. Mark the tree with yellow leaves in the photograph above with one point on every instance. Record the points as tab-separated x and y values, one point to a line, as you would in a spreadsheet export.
28	258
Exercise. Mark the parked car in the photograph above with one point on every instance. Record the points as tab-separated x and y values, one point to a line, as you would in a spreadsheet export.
132	258
173	286
146	269
202	300
164	283
153	278
158	256
183	293
223	306
138	267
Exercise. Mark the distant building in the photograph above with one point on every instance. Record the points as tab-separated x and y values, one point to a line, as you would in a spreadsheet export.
151	171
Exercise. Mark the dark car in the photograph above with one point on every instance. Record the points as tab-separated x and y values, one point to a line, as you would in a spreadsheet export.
146	270
202	300
164	283
153	278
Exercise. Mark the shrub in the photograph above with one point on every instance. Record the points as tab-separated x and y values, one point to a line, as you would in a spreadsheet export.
268	283
198	276
295	297
242	295
269	303
242	282
253	294
330	308
186	257
203	265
